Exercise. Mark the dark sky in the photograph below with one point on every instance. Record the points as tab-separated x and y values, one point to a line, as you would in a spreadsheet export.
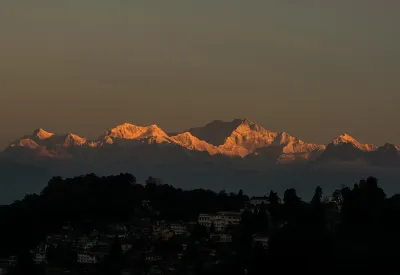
312	68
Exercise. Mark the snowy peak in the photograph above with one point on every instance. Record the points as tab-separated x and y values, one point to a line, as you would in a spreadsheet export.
72	140
242	137
191	142
346	148
187	138
347	139
246	138
42	138
25	143
42	134
293	145
237	138
130	132
344	138
387	147
248	126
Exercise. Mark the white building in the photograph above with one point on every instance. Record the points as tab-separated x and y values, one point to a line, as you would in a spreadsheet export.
89	244
153	258
263	240
42	248
221	220
39	258
86	258
225	238
258	201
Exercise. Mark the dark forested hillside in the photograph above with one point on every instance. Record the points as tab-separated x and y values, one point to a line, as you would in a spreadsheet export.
356	229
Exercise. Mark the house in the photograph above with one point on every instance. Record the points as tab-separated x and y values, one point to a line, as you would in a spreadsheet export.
147	204
221	238
259	200
10	261
55	238
39	258
118	228
6	264
166	233
178	228
89	244
220	220
225	238
42	248
87	258
153	258
262	240
56	271
156	233
67	228
102	245
126	247
100	255
155	270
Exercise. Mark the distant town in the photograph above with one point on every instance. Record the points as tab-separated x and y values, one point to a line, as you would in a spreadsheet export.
147	246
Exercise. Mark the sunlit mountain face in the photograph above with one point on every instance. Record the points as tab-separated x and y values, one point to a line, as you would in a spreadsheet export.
238	138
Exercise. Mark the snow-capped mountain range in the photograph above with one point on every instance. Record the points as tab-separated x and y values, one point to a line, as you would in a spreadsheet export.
238	154
238	138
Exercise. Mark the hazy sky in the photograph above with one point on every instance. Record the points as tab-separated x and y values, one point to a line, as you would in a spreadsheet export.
312	68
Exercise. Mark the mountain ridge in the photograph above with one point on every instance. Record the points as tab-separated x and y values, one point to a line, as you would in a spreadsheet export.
237	138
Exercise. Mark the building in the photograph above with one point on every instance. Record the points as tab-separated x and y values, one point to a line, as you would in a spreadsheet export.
225	238
39	258
220	220
42	248
259	200
87	258
147	204
126	247
153	258
166	233
178	228
89	244
262	240
56	271
221	238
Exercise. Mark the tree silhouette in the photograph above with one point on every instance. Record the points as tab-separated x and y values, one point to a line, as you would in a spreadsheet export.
262	220
212	228
274	206
291	204
316	200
